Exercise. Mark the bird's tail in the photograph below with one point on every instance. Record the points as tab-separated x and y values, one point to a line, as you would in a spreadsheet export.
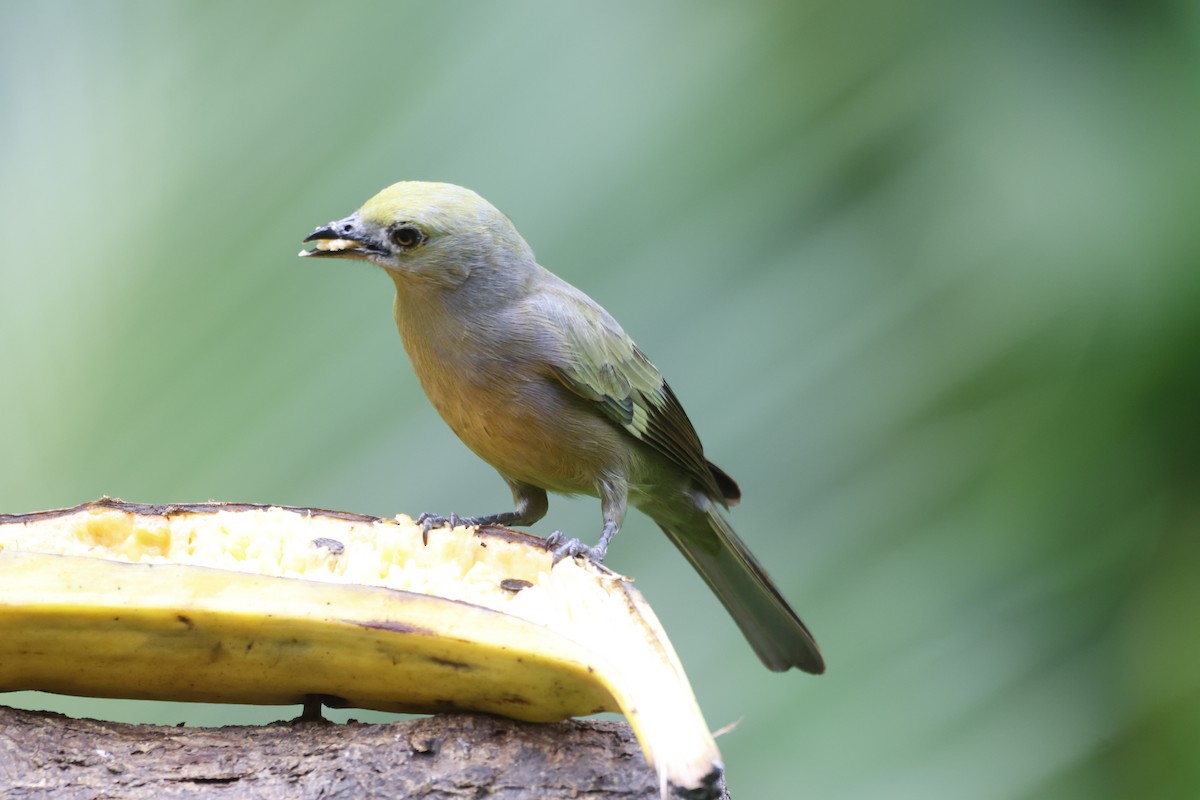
777	635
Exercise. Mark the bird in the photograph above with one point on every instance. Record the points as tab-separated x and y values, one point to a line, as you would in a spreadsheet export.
543	384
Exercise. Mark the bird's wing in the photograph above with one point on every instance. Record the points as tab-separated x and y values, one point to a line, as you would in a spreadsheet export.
599	362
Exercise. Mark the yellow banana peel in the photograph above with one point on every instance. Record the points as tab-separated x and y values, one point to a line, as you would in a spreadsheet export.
232	603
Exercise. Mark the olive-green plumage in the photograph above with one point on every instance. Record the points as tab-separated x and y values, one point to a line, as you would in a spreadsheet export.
543	384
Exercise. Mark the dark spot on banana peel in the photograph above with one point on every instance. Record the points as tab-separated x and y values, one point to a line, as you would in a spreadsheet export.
332	545
186	620
514	585
516	700
452	664
395	627
217	652
710	786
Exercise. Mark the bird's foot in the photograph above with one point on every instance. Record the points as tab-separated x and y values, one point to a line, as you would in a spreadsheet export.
429	521
562	547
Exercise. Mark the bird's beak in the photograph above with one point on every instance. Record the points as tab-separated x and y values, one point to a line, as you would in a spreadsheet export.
344	238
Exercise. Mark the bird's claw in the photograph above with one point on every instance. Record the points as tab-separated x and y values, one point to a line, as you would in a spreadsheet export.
429	521
562	547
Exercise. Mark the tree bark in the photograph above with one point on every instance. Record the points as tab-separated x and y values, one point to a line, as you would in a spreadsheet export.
444	757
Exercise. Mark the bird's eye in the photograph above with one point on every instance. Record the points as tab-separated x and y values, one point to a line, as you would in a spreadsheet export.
407	236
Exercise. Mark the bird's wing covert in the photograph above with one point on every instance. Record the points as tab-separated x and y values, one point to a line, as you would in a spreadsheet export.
600	363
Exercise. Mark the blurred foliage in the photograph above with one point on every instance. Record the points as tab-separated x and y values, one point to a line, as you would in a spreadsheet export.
925	275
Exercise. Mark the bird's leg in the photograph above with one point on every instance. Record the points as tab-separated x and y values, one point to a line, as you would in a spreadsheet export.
614	501
531	505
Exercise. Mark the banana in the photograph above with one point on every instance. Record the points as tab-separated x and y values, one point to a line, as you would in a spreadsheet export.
236	603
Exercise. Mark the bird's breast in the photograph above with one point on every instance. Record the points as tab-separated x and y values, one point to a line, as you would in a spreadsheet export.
510	410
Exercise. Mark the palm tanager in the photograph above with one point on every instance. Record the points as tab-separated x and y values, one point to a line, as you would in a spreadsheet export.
543	384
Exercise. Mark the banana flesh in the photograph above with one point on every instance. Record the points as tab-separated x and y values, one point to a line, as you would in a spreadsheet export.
253	604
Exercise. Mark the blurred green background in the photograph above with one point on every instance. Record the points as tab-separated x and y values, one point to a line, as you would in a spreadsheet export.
926	276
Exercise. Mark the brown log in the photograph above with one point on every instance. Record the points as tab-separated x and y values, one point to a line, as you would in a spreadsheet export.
443	757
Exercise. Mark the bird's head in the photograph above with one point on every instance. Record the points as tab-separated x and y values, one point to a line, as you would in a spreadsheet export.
433	232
